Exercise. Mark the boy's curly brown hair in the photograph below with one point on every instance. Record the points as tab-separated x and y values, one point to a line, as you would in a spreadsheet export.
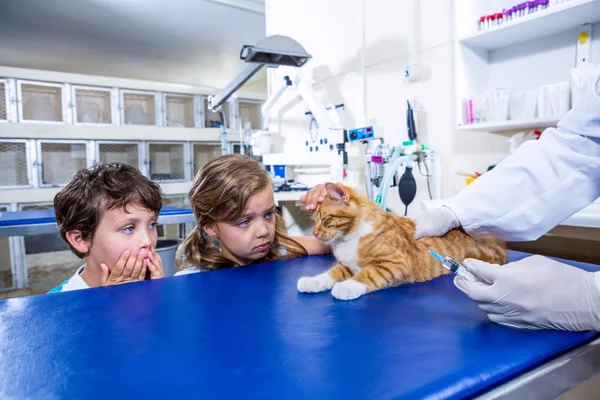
105	186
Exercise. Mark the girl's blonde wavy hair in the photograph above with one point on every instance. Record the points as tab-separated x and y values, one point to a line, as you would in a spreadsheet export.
220	192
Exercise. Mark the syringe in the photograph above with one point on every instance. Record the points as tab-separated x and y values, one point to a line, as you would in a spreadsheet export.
453	266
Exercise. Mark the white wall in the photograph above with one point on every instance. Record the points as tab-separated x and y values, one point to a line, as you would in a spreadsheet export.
551	57
398	32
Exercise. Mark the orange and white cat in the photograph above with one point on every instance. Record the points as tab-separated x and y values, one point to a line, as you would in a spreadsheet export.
375	249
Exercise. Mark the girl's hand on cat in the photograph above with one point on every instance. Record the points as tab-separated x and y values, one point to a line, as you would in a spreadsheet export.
313	197
435	223
536	293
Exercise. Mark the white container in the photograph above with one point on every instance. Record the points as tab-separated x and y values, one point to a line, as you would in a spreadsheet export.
523	105
479	109
581	80
497	104
261	143
544	105
554	100
564	102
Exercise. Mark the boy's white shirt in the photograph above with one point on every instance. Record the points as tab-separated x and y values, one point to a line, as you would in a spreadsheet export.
75	282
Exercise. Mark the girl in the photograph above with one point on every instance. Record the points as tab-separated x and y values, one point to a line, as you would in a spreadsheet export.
232	199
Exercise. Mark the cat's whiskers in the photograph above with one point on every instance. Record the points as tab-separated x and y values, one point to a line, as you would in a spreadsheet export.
334	241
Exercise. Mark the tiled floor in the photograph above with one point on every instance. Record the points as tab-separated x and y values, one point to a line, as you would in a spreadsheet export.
45	271
589	390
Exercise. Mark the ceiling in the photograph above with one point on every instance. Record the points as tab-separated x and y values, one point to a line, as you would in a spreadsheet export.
174	35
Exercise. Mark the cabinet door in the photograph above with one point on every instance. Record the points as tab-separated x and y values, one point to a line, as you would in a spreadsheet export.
42	102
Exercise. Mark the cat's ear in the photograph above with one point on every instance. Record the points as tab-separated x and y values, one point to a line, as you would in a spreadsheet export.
336	192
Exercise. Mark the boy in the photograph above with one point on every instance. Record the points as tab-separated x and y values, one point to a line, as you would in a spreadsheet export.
107	214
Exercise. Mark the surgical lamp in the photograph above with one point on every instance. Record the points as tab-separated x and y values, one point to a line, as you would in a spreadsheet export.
273	51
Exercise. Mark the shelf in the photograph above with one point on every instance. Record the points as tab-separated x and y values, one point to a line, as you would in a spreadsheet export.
504	126
559	18
112	132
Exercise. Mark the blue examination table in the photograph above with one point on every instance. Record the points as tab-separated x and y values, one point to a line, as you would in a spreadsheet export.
247	333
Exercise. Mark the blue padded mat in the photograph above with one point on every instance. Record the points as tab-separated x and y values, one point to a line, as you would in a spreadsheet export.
248	333
29	217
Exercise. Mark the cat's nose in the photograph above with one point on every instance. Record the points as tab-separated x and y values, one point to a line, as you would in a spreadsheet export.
315	233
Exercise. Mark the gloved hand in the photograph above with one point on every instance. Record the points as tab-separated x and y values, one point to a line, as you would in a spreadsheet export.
536	293
435	223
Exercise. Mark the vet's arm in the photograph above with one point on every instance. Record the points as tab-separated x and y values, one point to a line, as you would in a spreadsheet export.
312	245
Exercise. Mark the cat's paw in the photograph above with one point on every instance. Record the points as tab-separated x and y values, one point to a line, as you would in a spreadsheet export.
348	290
315	284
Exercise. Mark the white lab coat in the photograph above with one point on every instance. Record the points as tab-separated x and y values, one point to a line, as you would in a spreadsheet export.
541	184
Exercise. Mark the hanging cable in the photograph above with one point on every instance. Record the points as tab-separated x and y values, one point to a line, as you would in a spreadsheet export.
426	175
222	114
